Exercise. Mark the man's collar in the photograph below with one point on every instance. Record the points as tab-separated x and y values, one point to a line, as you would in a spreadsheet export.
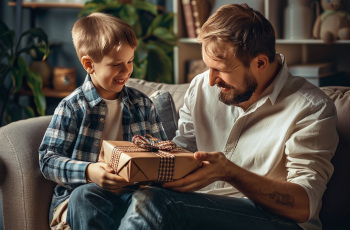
280	80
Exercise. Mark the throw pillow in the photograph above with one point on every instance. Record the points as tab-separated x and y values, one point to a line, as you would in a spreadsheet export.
166	110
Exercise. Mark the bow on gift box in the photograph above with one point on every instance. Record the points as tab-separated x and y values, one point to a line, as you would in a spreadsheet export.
153	144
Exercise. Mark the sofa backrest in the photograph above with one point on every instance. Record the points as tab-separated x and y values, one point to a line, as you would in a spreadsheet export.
26	194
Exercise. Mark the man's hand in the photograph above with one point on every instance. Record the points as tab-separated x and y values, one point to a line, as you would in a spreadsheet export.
215	167
103	175
269	193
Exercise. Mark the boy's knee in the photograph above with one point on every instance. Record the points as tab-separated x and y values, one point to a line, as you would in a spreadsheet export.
84	192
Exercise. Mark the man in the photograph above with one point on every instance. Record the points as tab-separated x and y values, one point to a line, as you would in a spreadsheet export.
265	137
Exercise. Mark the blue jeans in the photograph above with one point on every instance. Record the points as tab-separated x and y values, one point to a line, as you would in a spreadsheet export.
157	208
91	207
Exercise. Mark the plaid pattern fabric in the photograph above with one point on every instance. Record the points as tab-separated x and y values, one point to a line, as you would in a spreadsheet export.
166	166
73	137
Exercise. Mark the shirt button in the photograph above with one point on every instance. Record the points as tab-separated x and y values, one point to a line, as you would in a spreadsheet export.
102	119
97	143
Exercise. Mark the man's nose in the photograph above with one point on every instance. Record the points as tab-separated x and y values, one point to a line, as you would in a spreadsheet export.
213	77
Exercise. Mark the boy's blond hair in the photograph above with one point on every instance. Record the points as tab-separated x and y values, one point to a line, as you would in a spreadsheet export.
98	33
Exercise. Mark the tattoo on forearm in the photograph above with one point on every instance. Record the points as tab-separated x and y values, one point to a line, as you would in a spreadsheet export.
283	199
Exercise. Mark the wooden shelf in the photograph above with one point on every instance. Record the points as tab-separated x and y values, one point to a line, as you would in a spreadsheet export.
34	5
278	41
48	92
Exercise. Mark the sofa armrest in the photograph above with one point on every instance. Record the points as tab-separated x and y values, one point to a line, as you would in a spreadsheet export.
26	194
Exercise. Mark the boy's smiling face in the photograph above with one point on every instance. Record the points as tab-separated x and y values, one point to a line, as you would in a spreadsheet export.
110	75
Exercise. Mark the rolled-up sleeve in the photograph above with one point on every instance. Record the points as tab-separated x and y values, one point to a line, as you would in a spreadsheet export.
309	152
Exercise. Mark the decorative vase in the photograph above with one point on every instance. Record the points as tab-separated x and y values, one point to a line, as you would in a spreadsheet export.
64	79
298	19
43	68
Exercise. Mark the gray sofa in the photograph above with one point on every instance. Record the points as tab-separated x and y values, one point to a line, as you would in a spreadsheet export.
26	194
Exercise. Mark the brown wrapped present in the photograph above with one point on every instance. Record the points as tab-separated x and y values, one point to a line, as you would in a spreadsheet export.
136	164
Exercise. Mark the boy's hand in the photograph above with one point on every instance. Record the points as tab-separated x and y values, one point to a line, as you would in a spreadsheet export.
103	175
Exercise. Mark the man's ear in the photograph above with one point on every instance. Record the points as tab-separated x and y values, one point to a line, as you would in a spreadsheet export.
261	61
88	64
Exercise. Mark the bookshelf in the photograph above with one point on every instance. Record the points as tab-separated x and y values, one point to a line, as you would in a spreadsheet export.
43	5
34	7
296	51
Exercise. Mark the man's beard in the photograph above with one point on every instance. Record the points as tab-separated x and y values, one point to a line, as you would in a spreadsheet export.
234	98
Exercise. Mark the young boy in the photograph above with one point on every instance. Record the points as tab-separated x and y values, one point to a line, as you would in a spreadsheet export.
103	108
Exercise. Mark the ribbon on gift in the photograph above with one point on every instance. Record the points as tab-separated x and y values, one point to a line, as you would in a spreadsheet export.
151	144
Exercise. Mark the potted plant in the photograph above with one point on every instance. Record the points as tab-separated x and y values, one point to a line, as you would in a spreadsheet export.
15	74
154	55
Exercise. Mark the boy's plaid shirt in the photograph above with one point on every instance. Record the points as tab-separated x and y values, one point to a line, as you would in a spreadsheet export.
73	137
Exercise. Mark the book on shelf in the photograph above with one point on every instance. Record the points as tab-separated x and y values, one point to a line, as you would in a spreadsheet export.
189	19
201	10
195	12
313	70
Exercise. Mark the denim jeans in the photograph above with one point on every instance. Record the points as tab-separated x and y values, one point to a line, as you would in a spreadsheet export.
157	208
91	207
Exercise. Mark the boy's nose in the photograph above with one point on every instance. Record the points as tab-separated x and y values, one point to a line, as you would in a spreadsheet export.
126	69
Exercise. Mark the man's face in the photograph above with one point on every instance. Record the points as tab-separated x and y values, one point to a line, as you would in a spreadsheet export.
111	74
237	82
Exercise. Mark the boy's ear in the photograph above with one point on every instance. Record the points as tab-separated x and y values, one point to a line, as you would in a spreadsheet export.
88	64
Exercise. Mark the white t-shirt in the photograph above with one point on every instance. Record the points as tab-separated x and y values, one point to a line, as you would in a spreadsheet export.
288	135
113	129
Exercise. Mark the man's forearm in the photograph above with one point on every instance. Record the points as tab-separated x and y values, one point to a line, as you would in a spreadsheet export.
281	197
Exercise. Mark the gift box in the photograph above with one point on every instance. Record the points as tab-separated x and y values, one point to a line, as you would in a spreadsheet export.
136	164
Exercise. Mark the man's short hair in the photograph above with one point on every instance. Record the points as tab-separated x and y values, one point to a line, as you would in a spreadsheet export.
97	34
247	30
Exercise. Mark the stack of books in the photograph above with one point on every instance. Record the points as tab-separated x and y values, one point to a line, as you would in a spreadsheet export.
319	74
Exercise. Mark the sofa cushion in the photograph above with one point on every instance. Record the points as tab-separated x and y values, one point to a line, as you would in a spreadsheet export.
177	91
166	110
336	200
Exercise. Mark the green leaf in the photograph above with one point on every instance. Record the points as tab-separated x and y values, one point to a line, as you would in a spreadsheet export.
164	35
168	21
160	66
29	112
165	20
17	72
145	6
140	70
35	84
7	40
141	51
37	38
128	14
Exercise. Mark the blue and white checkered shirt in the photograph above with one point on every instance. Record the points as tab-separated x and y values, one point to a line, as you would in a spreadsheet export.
73	137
